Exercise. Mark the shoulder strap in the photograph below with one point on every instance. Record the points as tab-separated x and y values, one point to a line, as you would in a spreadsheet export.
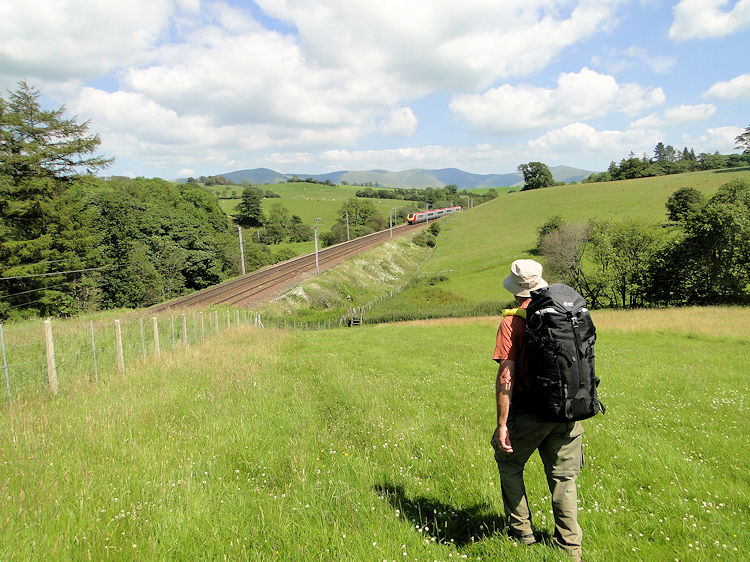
520	312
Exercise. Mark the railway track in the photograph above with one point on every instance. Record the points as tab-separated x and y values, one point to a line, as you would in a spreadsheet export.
264	284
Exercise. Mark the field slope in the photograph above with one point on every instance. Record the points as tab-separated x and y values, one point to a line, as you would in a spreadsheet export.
478	246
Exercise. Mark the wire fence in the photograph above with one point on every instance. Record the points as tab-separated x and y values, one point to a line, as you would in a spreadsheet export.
45	355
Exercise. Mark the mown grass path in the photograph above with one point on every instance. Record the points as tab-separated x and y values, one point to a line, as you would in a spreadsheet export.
373	444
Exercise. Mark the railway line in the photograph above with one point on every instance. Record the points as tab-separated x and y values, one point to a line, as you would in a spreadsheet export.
262	285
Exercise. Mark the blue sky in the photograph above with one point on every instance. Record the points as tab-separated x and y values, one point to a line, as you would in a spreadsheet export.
187	87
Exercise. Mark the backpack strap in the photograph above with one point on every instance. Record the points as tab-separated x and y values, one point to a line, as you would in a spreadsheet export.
520	312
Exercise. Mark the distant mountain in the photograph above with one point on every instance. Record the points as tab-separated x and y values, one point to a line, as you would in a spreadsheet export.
416	178
257	175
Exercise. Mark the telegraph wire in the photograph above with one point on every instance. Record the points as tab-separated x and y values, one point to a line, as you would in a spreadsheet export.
56	273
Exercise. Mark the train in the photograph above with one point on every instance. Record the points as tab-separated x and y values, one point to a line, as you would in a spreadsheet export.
422	216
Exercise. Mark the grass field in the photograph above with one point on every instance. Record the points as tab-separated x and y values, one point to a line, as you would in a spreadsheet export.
310	201
373	444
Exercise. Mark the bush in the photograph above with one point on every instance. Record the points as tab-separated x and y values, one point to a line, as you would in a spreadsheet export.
424	238
552	224
682	202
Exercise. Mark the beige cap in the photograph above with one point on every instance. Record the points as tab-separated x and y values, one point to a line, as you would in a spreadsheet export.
525	276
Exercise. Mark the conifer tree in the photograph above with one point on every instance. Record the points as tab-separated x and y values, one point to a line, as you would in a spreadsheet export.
41	153
250	211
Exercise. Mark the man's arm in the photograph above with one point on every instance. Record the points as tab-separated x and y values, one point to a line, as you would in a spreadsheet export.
503	393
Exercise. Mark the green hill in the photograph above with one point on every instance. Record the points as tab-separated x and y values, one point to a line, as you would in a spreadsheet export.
478	246
311	200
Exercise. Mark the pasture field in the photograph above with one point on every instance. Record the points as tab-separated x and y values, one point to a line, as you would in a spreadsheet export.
478	246
373	444
310	201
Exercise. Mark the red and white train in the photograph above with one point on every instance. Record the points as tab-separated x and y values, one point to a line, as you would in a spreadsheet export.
422	216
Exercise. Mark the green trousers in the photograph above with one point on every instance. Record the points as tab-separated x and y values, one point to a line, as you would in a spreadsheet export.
561	451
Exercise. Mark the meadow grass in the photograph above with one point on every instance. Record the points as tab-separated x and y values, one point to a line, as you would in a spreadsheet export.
477	247
372	444
310	201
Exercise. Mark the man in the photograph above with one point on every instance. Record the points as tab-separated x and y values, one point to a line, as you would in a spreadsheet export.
520	432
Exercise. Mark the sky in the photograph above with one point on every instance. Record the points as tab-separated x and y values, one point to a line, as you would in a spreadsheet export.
180	88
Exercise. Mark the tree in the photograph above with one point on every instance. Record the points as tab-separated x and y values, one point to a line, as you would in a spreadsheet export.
709	264
552	224
633	167
622	251
665	153
40	143
563	249
250	209
682	202
41	232
743	141
358	211
535	175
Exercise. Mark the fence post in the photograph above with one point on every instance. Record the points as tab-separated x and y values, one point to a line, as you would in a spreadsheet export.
93	350
118	346
229	319
50	347
184	331
5	363
143	338
157	348
216	318
203	326
237	317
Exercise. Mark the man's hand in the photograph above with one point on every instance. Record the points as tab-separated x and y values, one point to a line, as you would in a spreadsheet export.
503	439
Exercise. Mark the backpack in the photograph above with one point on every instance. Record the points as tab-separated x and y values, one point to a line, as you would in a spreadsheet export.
560	338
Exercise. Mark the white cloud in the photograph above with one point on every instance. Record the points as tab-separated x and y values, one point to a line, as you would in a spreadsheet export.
676	116
423	45
715	138
617	60
578	96
580	137
736	88
185	173
401	123
702	19
56	40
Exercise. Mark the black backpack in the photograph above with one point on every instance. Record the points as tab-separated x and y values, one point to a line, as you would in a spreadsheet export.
560	340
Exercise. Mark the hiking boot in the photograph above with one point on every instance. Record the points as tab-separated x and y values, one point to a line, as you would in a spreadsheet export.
527	540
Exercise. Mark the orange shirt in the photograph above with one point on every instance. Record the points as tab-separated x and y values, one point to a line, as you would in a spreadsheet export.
511	344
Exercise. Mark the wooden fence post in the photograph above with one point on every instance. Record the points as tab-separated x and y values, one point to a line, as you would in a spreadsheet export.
118	346
50	347
5	364
143	338
203	326
157	348
184	331
93	350
216	320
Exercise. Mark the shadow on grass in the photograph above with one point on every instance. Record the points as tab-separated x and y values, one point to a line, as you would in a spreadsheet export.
445	523
730	170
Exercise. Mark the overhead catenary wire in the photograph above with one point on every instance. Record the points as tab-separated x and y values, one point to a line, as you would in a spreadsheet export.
57	273
48	287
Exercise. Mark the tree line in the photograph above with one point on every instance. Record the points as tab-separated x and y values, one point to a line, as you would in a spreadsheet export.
668	160
446	196
71	242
